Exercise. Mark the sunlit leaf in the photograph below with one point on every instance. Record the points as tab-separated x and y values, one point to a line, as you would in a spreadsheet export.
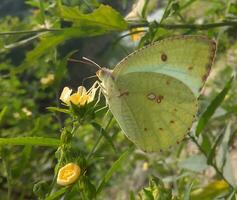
57	194
35	141
105	16
210	191
115	167
212	107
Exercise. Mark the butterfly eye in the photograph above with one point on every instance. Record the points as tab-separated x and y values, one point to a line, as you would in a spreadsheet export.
163	57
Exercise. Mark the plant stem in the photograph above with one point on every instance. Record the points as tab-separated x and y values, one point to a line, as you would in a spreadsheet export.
29	31
99	138
136	25
186	26
218	171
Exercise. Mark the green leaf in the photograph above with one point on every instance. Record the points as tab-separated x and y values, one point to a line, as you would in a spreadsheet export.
57	194
2	113
115	167
35	141
105	16
47	42
211	191
223	160
62	110
51	40
131	195
148	194
233	8
212	107
104	133
187	192
212	153
25	157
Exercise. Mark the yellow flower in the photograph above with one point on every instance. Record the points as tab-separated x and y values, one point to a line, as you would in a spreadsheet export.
81	97
145	166
47	80
137	36
68	174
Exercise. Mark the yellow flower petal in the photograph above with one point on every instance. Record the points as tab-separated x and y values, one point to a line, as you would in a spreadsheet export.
65	95
83	99
81	90
137	36
75	98
68	174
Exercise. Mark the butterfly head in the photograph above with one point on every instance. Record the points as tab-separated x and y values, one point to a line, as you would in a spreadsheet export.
106	77
103	74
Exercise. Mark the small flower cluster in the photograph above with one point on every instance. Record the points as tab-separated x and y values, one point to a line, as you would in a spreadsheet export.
81	97
47	79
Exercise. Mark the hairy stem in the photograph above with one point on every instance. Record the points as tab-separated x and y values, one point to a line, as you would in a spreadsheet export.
186	26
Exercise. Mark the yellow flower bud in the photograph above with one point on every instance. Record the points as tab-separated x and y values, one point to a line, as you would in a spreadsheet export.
68	174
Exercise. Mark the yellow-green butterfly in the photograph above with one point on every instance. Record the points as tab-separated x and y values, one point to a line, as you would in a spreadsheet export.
153	92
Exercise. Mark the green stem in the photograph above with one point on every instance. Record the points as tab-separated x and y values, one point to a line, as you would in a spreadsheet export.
218	171
99	139
29	31
36	141
186	26
136	25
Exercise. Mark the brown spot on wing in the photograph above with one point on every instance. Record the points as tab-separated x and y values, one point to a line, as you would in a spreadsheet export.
123	94
164	57
159	98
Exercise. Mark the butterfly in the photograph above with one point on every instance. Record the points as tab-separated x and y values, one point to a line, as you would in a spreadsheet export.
153	92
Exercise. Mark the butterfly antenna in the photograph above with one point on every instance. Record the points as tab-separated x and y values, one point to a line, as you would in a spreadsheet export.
92	62
79	61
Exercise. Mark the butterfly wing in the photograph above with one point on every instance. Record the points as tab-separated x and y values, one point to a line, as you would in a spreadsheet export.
154	110
186	58
153	92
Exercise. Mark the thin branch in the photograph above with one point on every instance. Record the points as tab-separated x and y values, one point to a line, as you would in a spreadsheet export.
99	139
186	26
29	31
136	25
218	171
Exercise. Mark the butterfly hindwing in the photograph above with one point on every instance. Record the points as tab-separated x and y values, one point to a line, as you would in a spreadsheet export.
154	110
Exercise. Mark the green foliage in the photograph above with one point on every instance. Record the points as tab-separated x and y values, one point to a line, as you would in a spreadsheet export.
39	133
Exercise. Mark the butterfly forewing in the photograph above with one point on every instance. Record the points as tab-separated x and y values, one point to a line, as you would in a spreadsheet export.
186	58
